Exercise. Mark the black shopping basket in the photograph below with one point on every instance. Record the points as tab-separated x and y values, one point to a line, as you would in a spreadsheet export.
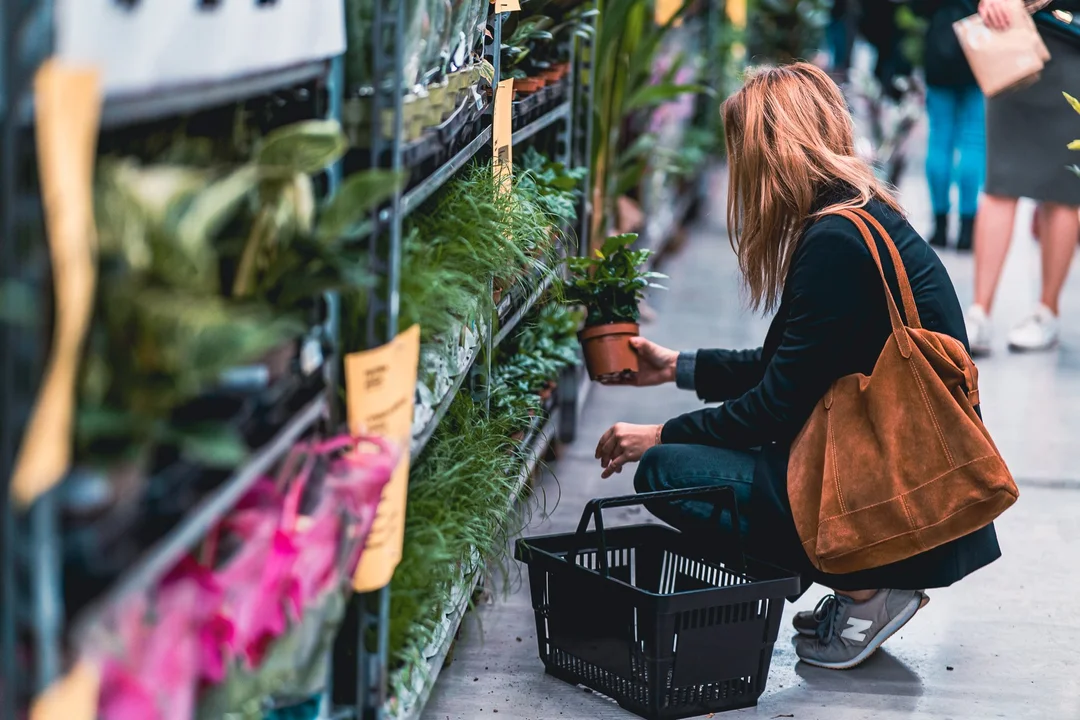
667	625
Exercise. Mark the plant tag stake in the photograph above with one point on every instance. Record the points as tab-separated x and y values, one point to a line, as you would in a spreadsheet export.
502	135
380	391
72	697
68	114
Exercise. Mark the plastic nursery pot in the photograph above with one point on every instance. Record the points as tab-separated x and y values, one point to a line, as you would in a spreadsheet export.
608	355
528	85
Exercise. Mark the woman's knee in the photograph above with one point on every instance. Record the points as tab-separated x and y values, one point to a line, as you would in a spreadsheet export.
649	476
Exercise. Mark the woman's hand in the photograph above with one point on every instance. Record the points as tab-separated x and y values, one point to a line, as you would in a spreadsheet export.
625	443
656	364
995	13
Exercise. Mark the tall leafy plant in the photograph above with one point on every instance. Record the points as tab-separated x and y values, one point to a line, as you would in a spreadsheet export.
782	31
627	41
612	282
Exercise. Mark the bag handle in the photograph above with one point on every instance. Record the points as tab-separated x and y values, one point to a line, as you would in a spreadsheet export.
907	296
898	327
724	499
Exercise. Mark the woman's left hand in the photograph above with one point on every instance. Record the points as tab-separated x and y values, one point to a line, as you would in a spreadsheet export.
625	443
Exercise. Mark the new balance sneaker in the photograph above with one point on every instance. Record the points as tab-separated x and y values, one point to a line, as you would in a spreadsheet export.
852	631
807	622
1038	332
978	330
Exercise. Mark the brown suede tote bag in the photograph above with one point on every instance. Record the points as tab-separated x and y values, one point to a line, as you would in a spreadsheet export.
893	464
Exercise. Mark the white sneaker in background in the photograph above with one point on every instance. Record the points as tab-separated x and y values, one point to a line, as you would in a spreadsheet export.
1038	332
979	331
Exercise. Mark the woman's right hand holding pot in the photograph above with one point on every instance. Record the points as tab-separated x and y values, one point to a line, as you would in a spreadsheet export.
656	364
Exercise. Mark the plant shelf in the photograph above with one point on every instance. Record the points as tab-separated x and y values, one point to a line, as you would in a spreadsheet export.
411	706
562	112
419	442
167	552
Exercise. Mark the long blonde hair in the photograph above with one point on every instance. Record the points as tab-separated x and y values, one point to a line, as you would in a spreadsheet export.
789	137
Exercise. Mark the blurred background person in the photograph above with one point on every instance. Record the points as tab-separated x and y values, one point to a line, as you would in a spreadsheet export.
1028	132
956	149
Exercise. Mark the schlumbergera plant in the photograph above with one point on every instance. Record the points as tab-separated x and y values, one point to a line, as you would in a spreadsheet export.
611	283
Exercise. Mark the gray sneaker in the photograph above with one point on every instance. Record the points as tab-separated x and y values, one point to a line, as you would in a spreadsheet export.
853	631
807	622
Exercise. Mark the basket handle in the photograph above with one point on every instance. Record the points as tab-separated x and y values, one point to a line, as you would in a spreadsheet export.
723	499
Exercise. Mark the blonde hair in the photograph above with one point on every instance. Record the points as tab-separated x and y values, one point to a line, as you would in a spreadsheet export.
789	137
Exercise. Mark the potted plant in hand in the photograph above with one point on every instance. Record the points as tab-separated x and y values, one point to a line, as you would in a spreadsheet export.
610	284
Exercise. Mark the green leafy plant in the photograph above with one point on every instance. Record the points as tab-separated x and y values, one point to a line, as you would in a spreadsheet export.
611	282
1075	144
627	43
521	52
203	269
459	494
557	188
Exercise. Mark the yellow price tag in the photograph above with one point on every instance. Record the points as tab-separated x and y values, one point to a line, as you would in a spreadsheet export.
72	697
502	134
68	113
507	5
380	392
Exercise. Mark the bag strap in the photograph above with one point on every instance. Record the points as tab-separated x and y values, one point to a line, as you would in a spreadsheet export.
898	327
907	296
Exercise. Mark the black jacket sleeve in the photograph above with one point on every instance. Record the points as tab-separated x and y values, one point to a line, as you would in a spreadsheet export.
829	288
721	375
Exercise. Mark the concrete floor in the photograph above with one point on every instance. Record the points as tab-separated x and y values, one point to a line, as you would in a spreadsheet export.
999	644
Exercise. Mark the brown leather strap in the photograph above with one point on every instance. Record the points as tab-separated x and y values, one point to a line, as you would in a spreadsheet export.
911	311
899	331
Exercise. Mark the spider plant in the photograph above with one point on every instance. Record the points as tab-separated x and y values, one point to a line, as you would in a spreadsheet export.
459	495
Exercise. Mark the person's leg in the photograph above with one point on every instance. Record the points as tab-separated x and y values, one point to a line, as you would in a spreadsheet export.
941	108
1058	229
971	141
679	467
1062	224
994	223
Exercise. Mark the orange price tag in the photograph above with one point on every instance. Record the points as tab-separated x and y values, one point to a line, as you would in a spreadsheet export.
380	391
72	697
507	5
502	133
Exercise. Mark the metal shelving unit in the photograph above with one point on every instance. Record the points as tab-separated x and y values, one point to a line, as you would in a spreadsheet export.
360	667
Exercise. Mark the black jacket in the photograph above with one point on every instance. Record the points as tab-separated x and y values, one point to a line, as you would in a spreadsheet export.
832	321
944	60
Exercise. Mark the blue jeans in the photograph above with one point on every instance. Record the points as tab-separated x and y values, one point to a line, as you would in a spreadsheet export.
957	124
678	467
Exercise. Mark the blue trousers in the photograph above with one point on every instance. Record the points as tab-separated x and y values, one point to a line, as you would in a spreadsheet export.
679	467
957	127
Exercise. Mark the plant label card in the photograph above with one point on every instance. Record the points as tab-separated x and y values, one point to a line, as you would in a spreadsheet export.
67	103
502	6
666	10
380	391
72	697
502	134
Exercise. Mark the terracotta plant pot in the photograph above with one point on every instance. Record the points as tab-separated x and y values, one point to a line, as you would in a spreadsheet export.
608	355
528	85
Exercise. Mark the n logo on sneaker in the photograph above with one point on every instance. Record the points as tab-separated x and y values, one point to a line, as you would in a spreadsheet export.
856	629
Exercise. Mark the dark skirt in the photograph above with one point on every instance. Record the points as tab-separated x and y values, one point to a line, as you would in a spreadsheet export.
1028	131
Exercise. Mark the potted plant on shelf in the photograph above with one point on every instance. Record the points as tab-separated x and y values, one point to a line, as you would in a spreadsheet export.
610	284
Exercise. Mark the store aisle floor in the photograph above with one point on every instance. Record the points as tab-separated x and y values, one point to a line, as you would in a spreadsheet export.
1000	644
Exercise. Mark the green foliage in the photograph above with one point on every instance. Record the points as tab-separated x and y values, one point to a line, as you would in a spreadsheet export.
459	495
556	187
204	268
536	355
913	28
469	234
611	283
627	44
783	31
524	50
